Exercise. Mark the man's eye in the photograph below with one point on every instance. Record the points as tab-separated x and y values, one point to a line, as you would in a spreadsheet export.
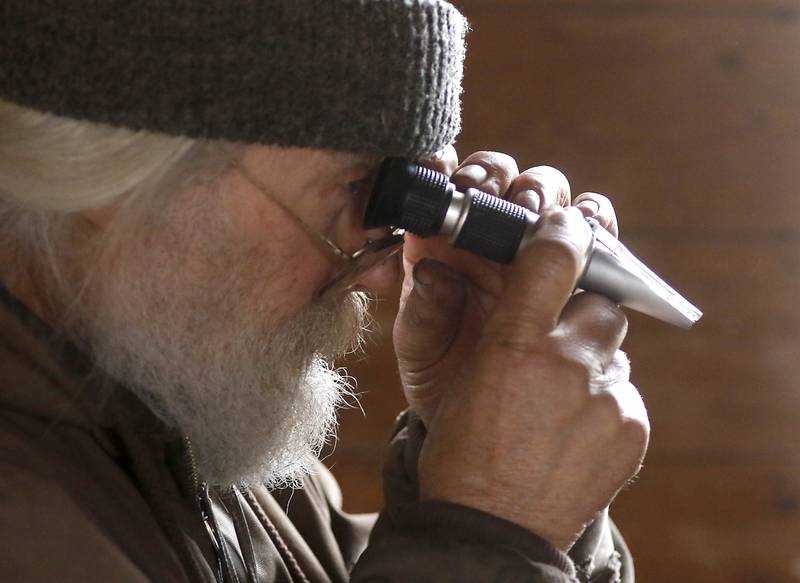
358	187
359	191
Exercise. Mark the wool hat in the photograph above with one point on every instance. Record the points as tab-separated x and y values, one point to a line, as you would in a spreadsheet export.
370	76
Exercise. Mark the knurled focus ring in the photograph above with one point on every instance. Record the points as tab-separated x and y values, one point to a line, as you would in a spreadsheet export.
494	227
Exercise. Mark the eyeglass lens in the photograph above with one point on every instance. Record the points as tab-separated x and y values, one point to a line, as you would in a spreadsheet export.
371	255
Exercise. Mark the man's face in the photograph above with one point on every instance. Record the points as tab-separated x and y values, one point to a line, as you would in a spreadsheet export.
325	190
210	312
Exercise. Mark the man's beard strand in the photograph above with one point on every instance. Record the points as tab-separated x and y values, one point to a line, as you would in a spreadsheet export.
257	399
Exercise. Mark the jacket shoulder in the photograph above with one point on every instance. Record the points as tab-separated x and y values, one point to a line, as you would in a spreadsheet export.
46	536
69	510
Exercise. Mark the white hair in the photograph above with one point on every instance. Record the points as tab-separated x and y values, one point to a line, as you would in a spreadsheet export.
52	167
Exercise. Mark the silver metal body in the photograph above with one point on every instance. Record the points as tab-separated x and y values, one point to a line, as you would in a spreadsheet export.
612	270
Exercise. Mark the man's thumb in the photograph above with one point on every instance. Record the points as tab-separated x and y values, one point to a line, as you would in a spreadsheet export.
430	316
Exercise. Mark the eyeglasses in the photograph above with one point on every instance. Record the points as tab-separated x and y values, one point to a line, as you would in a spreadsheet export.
352	266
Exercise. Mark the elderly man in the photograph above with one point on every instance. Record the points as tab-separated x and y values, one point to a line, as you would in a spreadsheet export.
181	195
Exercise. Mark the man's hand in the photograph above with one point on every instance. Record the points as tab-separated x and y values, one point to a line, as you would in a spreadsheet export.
530	413
441	316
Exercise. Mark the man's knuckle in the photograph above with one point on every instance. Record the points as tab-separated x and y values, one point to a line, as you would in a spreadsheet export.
542	356
483	155
495	163
556	217
604	313
505	162
554	174
531	178
560	253
572	372
614	317
609	319
565	218
634	432
606	412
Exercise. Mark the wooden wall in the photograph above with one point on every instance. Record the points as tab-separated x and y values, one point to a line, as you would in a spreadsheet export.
688	114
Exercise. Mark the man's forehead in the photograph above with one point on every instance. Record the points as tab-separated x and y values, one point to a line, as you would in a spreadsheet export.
342	162
308	166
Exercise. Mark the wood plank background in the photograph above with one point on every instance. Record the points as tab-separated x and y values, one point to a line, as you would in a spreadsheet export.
688	114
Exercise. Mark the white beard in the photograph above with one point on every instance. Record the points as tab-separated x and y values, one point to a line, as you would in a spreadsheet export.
257	398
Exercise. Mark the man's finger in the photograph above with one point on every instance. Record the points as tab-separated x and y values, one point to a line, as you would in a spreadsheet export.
600	208
543	276
435	292
430	314
490	172
540	188
444	161
595	323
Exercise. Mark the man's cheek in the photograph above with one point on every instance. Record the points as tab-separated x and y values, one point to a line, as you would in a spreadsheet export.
287	274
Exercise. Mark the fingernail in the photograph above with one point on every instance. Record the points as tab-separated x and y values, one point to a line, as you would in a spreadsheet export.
529	199
474	173
589	208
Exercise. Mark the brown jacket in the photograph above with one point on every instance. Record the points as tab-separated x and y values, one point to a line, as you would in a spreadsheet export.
94	488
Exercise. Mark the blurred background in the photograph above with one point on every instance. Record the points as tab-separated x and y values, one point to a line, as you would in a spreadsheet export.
687	113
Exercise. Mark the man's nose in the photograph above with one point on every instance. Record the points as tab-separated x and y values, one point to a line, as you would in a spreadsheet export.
382	278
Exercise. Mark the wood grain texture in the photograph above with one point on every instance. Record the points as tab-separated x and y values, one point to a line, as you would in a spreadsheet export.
689	116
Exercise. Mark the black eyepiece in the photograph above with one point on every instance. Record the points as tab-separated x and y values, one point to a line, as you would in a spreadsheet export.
408	196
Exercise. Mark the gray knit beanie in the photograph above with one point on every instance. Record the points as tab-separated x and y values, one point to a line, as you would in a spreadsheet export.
371	76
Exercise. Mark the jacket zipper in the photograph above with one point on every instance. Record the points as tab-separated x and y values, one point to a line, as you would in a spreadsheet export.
200	490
